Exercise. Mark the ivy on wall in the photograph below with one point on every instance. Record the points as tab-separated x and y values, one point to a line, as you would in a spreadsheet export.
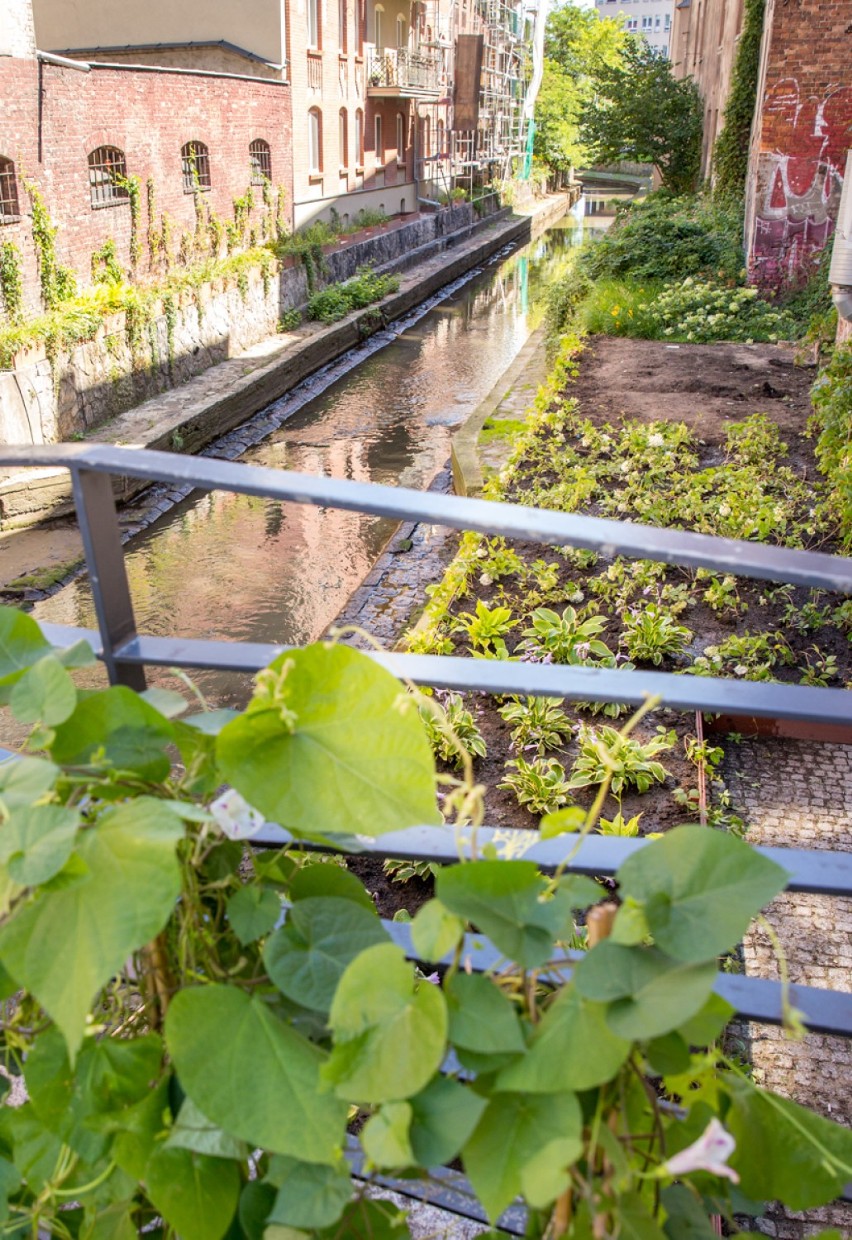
11	283
730	157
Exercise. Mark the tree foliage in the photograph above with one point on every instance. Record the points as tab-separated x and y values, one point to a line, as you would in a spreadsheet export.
641	112
577	46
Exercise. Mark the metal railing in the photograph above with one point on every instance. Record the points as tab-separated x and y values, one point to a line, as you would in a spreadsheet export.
125	652
402	69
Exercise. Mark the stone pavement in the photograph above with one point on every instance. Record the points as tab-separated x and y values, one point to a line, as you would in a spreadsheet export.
799	794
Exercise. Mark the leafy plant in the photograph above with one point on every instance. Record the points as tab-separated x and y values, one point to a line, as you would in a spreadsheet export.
566	638
652	634
606	756
193	1049
539	785
452	730
537	722
333	303
619	826
399	871
751	656
485	629
11	282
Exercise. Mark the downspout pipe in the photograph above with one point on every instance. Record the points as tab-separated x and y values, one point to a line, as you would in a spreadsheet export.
63	62
840	273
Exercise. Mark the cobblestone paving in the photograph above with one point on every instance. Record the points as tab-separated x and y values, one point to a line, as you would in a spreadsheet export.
799	794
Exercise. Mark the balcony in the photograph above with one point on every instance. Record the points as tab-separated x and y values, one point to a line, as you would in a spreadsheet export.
397	72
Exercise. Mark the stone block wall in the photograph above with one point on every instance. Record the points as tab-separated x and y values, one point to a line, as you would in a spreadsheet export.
802	129
44	401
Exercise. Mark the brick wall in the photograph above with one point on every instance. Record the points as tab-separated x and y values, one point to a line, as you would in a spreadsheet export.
148	114
803	127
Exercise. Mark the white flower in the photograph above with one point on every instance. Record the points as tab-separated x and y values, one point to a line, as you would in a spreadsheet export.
485	580
656	441
724	510
235	817
740	669
709	1153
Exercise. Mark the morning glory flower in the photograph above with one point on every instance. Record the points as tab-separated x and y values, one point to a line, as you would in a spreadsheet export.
709	1153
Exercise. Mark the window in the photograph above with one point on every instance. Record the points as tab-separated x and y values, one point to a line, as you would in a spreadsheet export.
8	192
195	162
359	138
314	142
668	21
400	137
400	32
313	23
107	177
260	160
341	25
441	137
343	139
378	16
380	146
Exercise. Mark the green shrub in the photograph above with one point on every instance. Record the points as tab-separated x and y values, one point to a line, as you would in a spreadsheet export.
333	303
664	237
699	311
832	400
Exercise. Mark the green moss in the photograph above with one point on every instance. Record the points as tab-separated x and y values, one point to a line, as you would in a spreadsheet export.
42	578
501	428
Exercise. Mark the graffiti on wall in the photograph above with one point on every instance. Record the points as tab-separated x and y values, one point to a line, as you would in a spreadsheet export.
799	180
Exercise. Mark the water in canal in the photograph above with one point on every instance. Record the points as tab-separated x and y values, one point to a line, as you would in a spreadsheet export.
232	567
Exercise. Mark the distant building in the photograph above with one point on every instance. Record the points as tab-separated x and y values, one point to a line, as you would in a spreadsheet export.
651	19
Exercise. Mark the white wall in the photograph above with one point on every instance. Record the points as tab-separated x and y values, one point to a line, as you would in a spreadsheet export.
16	28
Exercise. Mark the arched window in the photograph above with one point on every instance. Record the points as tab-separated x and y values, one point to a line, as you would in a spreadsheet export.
380	145
313	23
9	211
107	177
314	141
400	138
378	22
359	138
441	140
400	32
195	165
260	160
341	25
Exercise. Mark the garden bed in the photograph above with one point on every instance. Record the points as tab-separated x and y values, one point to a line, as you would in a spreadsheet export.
706	437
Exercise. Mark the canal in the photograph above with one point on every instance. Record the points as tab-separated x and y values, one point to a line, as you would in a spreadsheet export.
233	567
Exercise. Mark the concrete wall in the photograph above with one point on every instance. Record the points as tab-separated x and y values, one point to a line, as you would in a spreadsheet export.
257	25
53	117
704	46
802	129
17	35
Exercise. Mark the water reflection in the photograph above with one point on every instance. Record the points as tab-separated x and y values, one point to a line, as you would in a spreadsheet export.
240	568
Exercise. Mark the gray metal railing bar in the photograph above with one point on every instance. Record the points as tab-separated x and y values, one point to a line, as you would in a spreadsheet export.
755	998
676	692
677	547
814	871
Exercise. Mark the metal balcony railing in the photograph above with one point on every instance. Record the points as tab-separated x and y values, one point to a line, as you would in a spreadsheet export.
400	69
126	653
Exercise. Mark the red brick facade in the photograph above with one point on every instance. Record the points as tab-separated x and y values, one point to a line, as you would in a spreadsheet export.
53	117
803	127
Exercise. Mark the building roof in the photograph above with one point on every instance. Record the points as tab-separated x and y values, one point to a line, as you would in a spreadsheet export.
222	44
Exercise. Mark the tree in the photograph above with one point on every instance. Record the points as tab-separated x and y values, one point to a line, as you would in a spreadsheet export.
578	45
642	112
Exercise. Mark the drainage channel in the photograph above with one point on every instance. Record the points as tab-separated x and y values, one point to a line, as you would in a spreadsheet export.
232	567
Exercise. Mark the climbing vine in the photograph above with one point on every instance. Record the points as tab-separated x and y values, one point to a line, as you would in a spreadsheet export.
132	185
11	284
730	158
44	239
105	265
154	237
170	315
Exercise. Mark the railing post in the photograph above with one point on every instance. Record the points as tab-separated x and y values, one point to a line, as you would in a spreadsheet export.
107	572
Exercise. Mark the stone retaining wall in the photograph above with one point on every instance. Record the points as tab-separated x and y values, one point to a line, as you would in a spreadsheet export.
44	402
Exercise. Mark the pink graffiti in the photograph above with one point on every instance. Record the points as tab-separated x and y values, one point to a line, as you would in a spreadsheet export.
799	179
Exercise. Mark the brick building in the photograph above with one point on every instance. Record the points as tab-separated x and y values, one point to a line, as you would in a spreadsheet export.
802	123
75	130
802	130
